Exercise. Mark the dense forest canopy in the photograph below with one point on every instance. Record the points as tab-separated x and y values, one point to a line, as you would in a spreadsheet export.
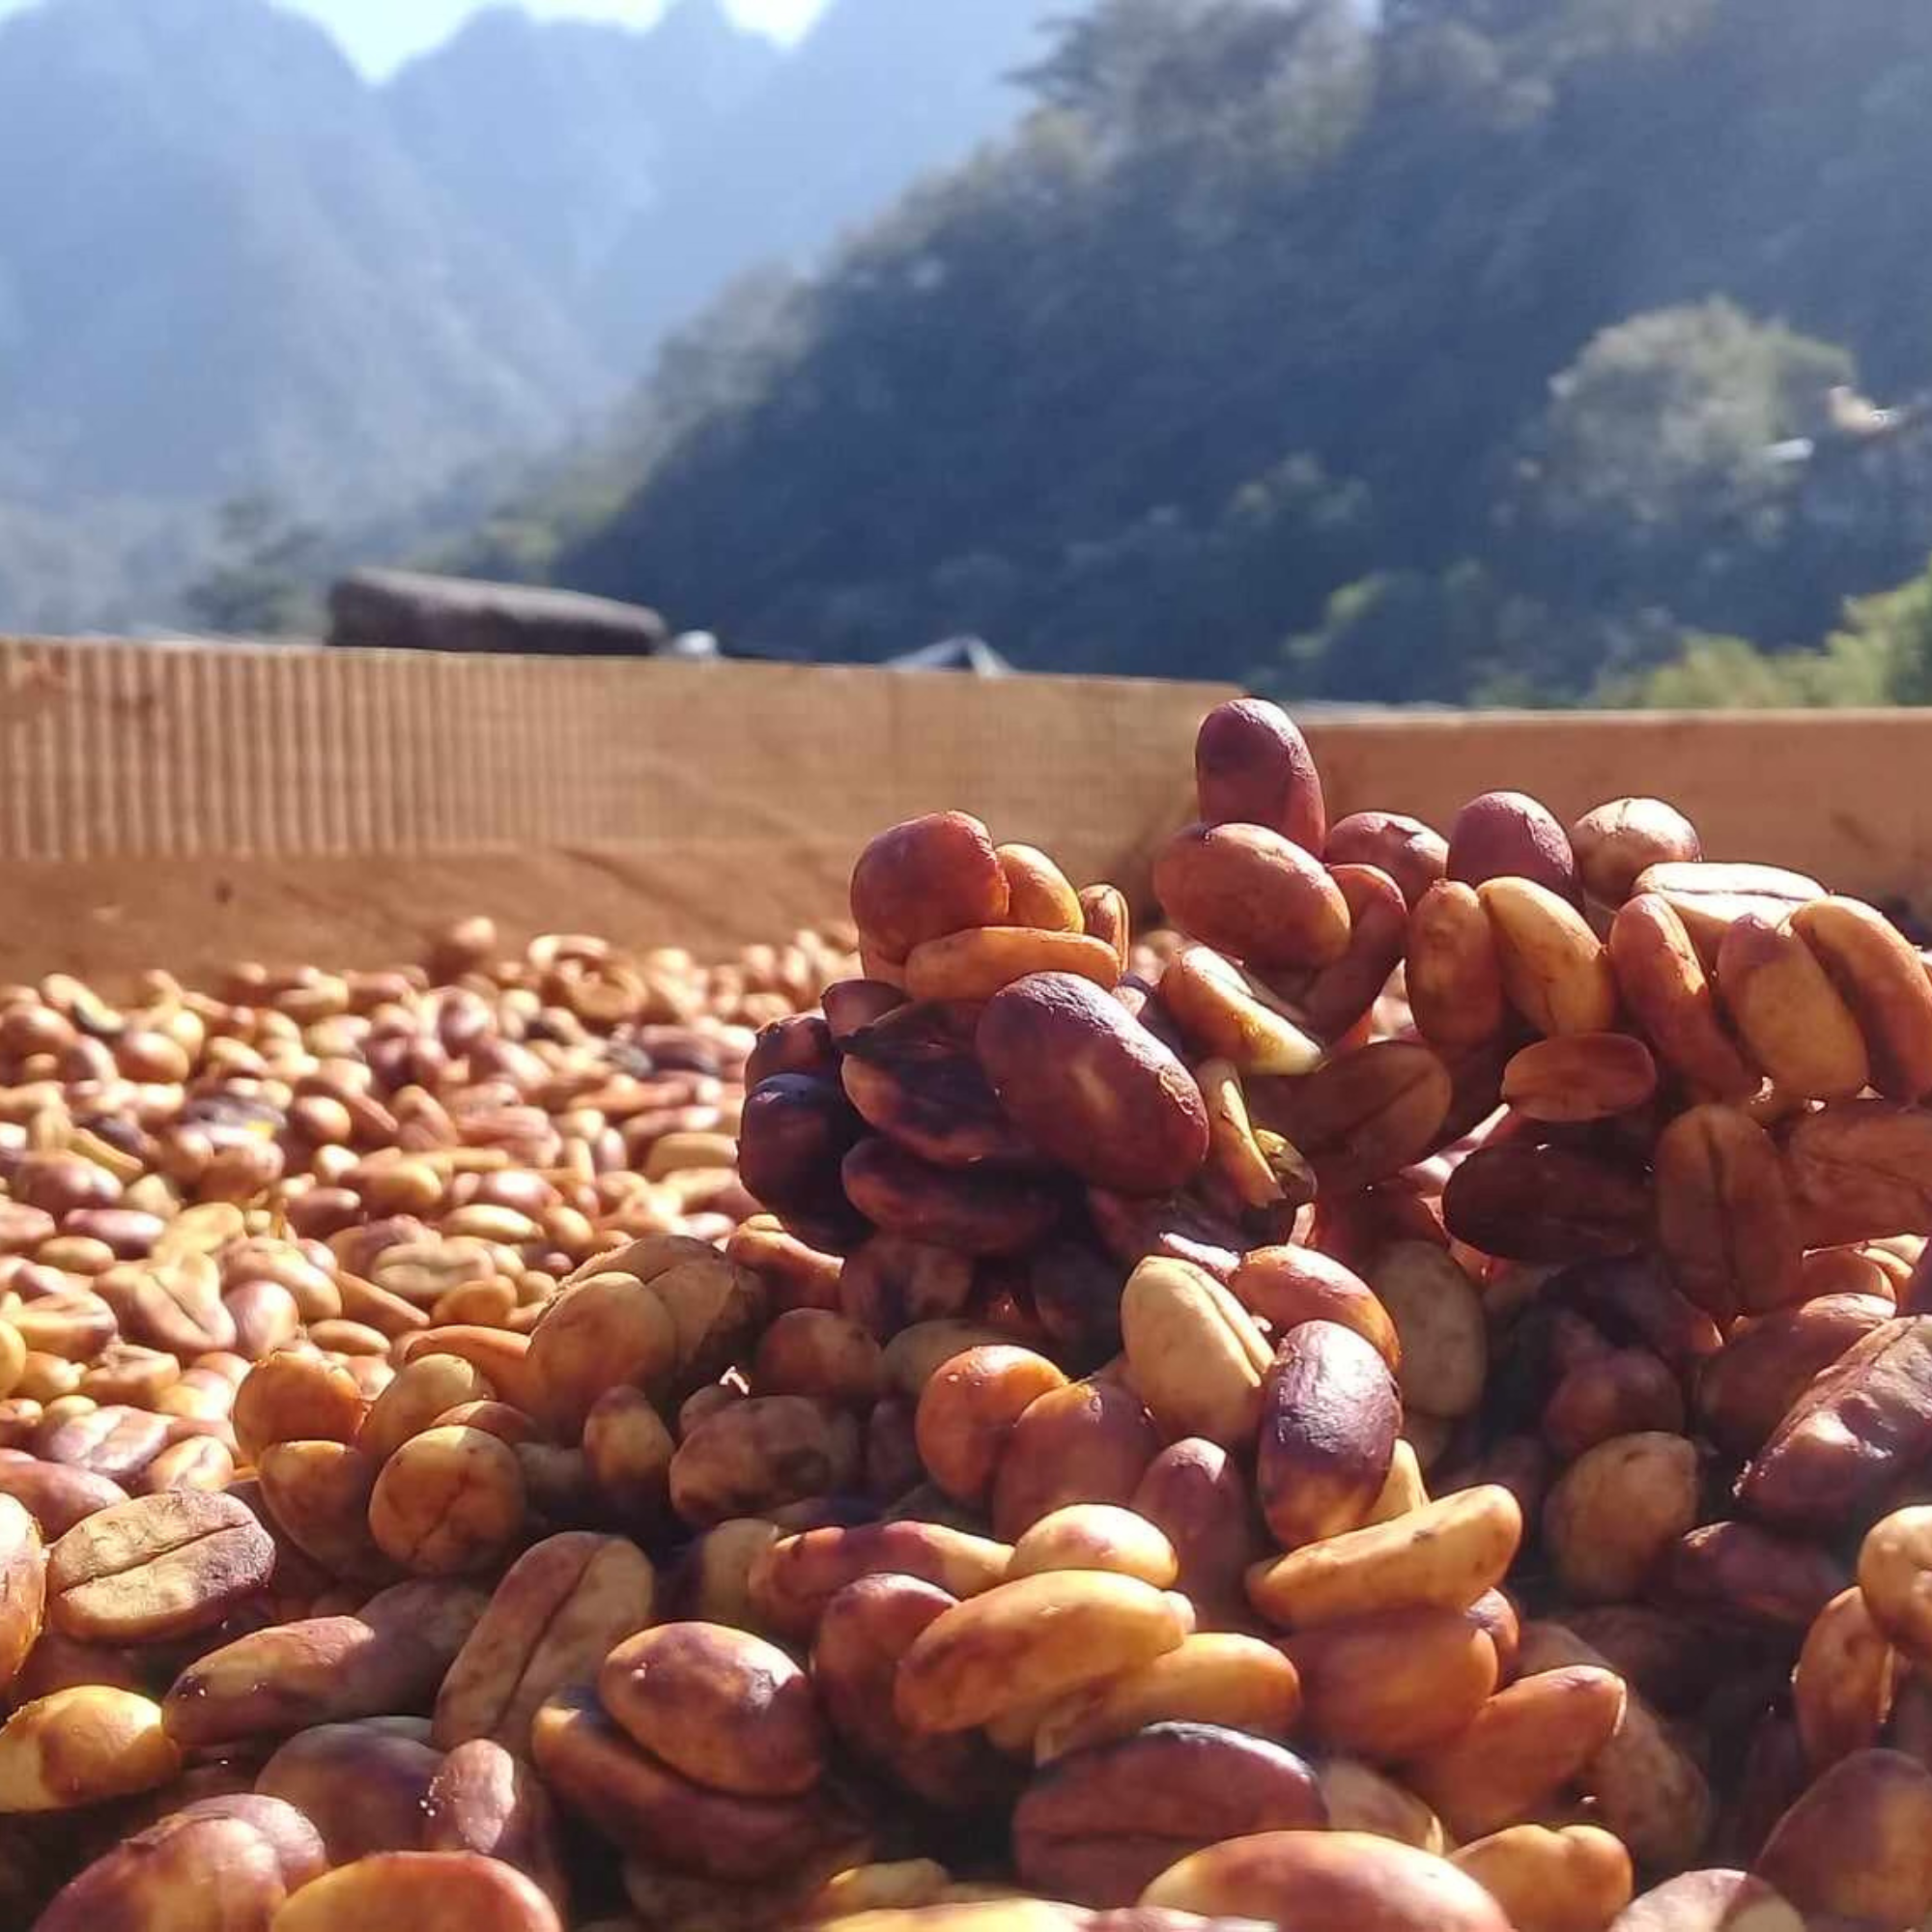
1452	350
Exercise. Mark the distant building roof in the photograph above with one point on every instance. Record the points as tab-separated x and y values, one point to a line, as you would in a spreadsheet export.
967	654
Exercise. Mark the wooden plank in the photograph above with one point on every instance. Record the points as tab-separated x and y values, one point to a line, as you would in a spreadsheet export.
188	807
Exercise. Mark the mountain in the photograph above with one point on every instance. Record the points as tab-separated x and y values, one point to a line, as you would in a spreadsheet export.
219	272
879	93
232	266
553	138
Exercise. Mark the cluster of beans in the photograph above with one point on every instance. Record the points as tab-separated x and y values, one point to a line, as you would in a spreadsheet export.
1393	1403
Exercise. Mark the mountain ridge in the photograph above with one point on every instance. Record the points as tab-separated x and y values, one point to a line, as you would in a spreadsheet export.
231	264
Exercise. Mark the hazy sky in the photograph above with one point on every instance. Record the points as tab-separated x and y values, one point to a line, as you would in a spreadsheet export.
382	33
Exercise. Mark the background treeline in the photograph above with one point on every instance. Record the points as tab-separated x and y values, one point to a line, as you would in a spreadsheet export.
1465	349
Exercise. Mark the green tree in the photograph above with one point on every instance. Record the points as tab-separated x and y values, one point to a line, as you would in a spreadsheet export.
1470	354
266	579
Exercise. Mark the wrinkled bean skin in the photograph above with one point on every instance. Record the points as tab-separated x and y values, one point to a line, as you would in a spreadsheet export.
561	1610
914	1075
1415	855
1860	1169
974	1211
156	1566
1863	1422
760	1454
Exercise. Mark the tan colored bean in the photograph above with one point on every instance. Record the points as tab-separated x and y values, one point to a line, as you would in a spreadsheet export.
1238	1682
1390	1686
1574	1879
968	1408
1328	1882
448	1502
561	1610
1027	1642
1196	1357
83	1745
289	1397
1095	1536
156	1566
23	1572
420	1892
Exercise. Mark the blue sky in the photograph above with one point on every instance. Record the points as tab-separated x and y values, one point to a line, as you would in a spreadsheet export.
381	34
